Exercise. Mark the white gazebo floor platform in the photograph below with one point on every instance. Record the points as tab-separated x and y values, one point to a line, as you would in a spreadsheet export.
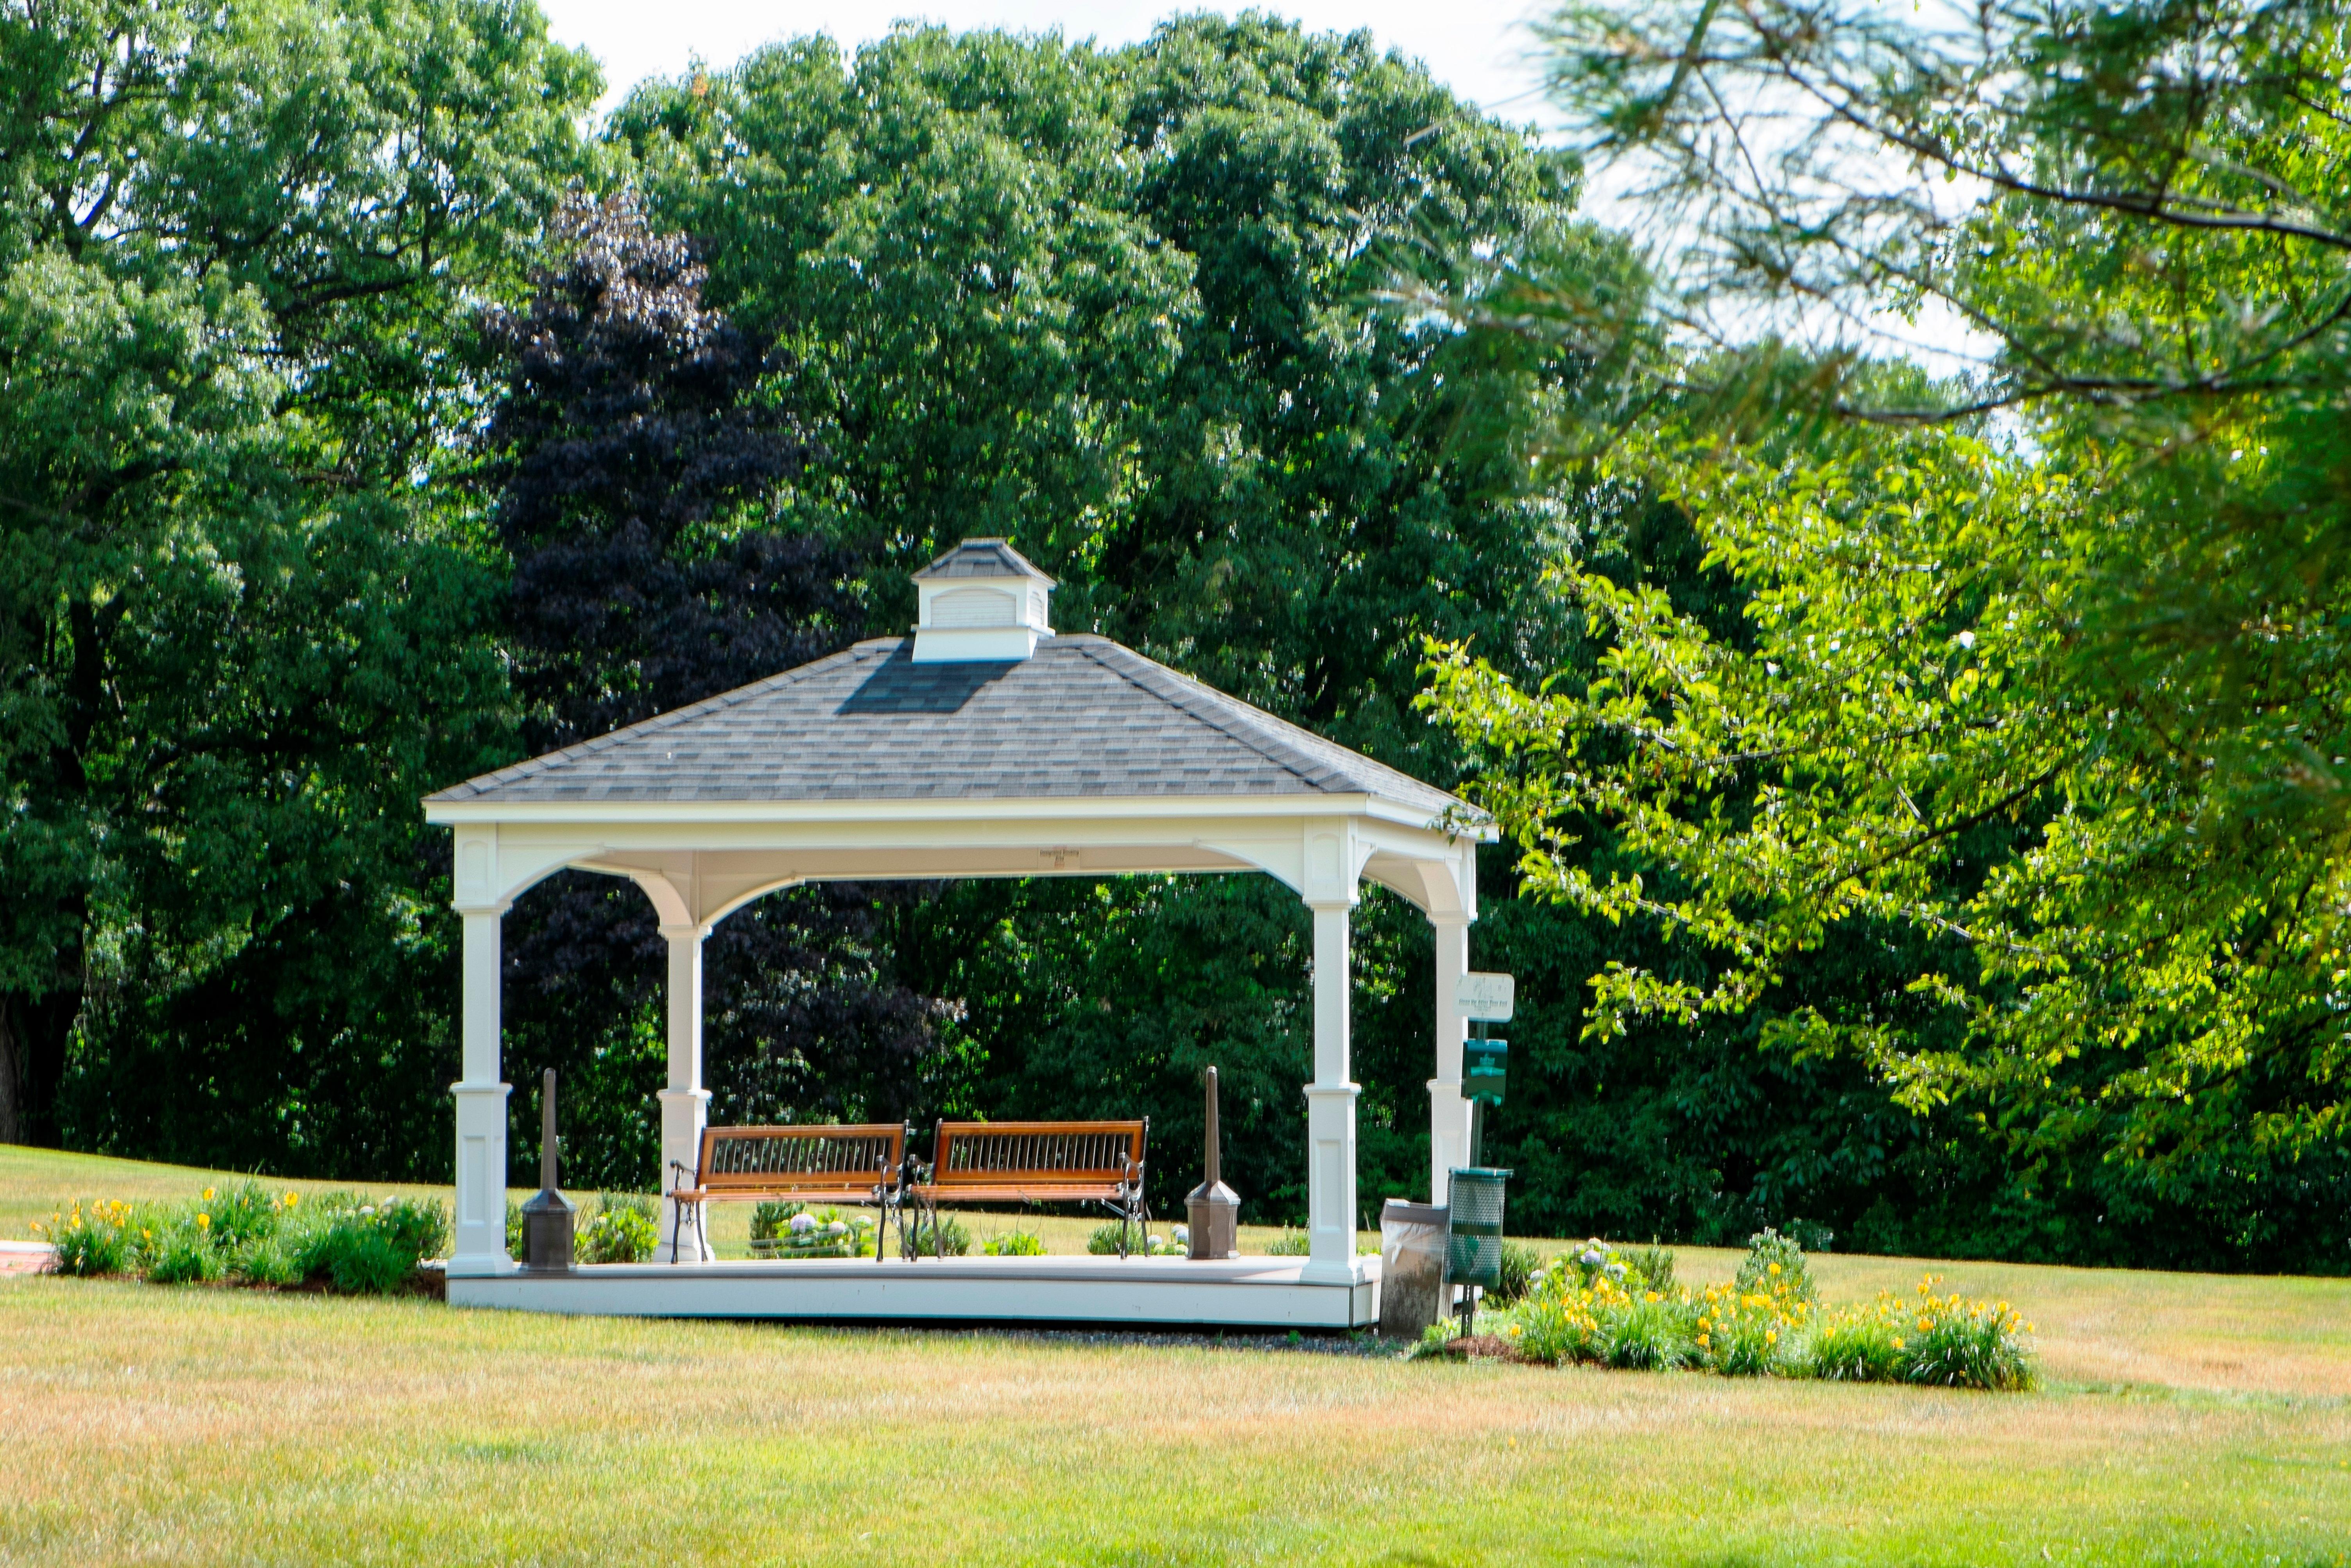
1175	1292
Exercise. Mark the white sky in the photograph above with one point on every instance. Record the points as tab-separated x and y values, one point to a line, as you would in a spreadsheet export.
1478	47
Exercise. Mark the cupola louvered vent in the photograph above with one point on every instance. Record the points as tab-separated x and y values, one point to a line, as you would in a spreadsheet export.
980	601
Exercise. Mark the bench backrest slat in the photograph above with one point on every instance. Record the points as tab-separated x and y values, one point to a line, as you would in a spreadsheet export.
811	1158
1036	1153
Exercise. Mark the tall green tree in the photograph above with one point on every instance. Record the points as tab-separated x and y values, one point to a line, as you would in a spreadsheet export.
2040	659
240	626
1121	306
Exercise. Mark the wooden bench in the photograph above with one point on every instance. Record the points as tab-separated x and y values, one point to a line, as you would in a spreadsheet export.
863	1163
1038	1162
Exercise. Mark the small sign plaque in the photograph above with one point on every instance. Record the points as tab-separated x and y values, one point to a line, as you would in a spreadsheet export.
1485	1064
1483	996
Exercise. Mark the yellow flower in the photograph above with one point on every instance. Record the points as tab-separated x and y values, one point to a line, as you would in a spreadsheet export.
203	1222
1774	1270
293	1199
1654	1297
1898	1343
1771	1336
208	1195
1703	1344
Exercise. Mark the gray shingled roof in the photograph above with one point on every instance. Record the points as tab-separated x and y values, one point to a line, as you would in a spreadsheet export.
982	558
1081	716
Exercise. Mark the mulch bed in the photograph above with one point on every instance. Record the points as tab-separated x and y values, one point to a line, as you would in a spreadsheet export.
1480	1347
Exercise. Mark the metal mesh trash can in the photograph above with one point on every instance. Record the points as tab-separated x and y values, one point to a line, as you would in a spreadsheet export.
1473	1253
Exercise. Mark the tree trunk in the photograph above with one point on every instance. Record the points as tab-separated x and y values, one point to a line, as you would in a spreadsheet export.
12	1117
34	1040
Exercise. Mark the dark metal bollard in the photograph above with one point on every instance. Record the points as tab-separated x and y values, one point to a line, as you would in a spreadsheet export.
546	1219
1214	1210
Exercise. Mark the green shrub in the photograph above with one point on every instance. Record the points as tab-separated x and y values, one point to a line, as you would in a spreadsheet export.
1644	1334
182	1254
1774	1262
242	1215
1968	1344
1289	1244
1110	1238
1931	1339
416	1226
1812	1235
767	1222
1627	1268
265	1261
1588	1305
1860	1347
514	1228
1520	1264
1750	1333
95	1241
1653	1263
621	1228
356	1258
362	1248
1015	1244
953	1237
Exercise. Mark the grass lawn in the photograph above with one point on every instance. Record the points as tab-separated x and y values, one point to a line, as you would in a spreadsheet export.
2183	1418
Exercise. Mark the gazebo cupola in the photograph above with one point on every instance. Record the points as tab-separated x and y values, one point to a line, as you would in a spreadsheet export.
982	600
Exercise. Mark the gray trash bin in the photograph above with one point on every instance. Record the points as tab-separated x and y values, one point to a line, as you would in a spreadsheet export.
1412	1266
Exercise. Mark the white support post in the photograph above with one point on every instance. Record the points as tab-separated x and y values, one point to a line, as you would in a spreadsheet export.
1330	1110
480	1245
1448	1112
684	1103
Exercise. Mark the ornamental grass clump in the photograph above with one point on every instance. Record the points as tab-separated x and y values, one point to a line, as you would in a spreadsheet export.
1928	1338
1743	1332
89	1242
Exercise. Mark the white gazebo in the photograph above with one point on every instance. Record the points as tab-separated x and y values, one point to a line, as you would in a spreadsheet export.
983	746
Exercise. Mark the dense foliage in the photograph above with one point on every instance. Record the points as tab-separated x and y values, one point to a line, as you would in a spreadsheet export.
2055	702
1119	306
1939	773
242	251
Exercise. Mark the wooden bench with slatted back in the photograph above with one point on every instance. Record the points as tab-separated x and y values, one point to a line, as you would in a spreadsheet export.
1039	1162
861	1163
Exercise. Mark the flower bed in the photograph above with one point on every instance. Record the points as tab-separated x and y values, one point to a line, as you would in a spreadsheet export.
248	1235
1610	1307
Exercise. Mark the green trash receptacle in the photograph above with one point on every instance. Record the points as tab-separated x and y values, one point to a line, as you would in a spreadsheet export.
1473	1249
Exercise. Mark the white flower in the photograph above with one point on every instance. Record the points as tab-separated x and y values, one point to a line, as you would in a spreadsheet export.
1967	639
1183	1233
1614	1271
836	1229
802	1224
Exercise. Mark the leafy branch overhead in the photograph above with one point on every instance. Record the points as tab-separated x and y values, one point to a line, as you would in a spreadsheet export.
2062	692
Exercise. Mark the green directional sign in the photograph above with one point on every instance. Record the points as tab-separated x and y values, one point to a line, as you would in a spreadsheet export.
1484	1063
